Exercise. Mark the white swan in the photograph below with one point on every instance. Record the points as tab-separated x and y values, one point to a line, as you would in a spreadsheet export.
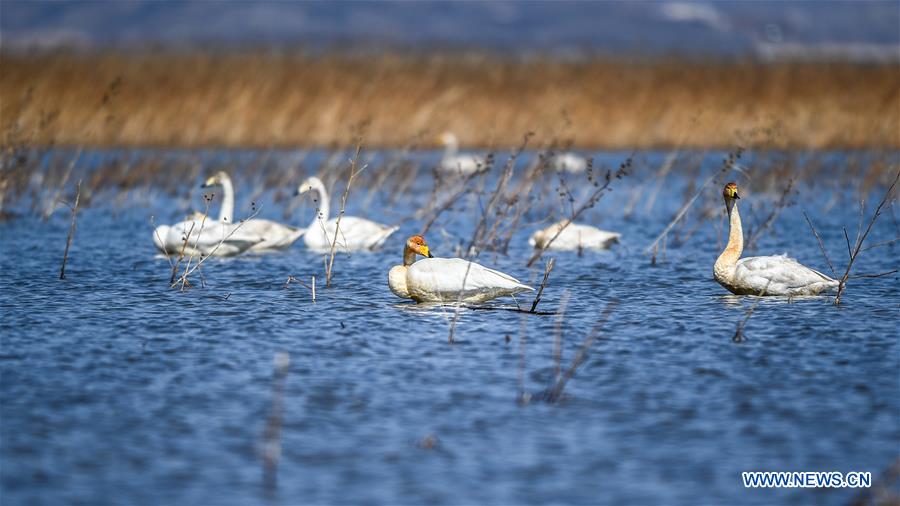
573	237
442	279
770	275
355	233
454	163
275	236
568	162
207	237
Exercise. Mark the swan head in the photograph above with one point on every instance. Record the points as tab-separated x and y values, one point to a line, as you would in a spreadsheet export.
216	179
447	139
730	194
308	184
304	187
417	245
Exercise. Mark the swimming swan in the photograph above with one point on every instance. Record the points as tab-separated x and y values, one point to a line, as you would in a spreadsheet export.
770	275
568	162
207	237
454	163
355	234
275	236
574	237
442	279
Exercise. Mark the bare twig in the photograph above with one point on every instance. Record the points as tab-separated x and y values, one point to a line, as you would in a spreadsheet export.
537	298
776	210
862	238
729	163
821	244
188	270
337	225
879	275
62	270
884	243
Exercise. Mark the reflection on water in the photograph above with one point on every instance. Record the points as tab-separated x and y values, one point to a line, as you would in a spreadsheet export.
116	389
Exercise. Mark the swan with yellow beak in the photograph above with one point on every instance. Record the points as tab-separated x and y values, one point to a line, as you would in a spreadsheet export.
447	279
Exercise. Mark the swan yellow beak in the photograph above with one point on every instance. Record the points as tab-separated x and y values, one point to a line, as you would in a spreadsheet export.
212	181
424	251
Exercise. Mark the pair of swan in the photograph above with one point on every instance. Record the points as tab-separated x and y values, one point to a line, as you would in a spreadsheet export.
768	275
223	237
573	237
465	164
199	234
447	279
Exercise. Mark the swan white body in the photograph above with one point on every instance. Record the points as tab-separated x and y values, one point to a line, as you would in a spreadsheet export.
455	163
574	237
767	275
568	162
356	234
205	238
274	235
442	280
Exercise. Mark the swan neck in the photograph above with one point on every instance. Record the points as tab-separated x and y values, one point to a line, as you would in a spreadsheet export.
735	245
226	213
409	256
452	147
322	211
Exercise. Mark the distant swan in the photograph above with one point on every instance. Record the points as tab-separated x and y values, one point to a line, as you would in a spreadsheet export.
275	236
442	279
770	275
207	237
568	162
355	233
454	163
574	237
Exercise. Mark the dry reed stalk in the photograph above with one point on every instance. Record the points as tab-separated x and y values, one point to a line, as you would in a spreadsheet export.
188	271
337	225
62	269
537	298
463	190
821	245
860	239
729	163
207	198
51	205
782	202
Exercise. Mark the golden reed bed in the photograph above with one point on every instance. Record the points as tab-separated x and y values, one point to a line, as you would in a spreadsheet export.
259	99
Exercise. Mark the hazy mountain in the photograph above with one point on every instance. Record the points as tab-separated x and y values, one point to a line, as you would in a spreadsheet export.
765	28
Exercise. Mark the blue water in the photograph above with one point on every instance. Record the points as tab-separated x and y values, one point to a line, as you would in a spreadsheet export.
117	389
